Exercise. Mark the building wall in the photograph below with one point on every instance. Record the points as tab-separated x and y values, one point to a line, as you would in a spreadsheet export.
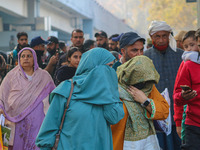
55	17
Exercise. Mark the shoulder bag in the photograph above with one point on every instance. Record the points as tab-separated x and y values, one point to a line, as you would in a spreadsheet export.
63	118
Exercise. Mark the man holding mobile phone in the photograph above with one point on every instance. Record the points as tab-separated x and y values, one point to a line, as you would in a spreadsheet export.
54	55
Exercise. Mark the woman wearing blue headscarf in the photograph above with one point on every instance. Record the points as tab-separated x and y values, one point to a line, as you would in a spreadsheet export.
94	106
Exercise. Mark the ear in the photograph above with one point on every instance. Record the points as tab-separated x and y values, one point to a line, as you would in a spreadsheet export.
69	59
57	46
123	51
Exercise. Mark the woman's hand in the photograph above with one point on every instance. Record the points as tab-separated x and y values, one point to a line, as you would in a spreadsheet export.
2	112
139	97
187	95
137	94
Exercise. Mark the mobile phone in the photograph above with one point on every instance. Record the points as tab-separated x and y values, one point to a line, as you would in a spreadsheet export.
186	87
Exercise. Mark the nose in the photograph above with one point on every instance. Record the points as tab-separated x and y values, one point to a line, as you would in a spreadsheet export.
138	53
189	48
160	40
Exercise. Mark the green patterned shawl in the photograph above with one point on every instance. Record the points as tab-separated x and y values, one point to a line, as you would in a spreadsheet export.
138	69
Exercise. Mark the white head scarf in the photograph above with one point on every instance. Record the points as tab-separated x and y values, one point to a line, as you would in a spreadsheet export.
156	26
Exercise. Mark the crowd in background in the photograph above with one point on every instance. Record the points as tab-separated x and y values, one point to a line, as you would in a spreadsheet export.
117	90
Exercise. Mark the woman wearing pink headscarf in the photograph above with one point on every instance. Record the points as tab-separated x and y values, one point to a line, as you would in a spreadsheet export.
24	99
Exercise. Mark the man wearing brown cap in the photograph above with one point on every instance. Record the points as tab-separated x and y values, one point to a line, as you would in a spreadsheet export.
102	39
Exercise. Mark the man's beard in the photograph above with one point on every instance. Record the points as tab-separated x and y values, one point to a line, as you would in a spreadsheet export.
24	45
104	45
160	48
127	57
115	49
39	54
51	51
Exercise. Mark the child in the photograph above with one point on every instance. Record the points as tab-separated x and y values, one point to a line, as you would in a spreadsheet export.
188	75
189	45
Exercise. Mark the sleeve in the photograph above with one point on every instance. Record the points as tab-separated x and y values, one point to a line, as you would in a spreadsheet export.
184	79
114	112
50	126
160	107
178	114
178	110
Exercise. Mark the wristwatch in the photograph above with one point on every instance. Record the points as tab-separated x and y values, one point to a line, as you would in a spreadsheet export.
146	103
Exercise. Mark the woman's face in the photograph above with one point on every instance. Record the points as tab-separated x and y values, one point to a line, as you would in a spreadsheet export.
75	59
110	64
26	59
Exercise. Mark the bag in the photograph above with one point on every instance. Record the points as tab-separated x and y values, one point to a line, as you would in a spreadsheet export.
63	118
5	133
164	125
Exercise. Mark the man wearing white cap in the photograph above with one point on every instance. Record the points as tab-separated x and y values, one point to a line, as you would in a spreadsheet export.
166	58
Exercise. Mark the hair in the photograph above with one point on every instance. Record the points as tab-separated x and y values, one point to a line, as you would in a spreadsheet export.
19	34
87	44
76	30
197	34
1	60
112	36
189	34
61	44
71	51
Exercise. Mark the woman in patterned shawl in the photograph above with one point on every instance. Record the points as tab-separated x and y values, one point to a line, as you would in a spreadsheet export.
24	99
142	105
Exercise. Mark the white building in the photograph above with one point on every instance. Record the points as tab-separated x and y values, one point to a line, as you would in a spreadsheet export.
55	17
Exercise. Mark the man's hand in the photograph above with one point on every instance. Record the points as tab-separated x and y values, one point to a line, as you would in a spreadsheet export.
52	64
187	95
53	60
178	130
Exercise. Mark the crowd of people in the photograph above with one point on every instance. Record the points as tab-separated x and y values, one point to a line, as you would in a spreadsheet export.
116	86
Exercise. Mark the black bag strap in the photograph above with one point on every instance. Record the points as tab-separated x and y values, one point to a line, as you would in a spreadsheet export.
63	117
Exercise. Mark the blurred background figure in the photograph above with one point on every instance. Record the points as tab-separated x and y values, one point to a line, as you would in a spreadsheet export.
22	42
89	44
116	39
102	39
149	43
113	44
2	68
68	68
63	46
179	38
54	53
38	44
12	42
77	39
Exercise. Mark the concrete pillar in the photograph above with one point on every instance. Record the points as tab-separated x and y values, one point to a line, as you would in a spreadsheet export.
1	24
88	28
